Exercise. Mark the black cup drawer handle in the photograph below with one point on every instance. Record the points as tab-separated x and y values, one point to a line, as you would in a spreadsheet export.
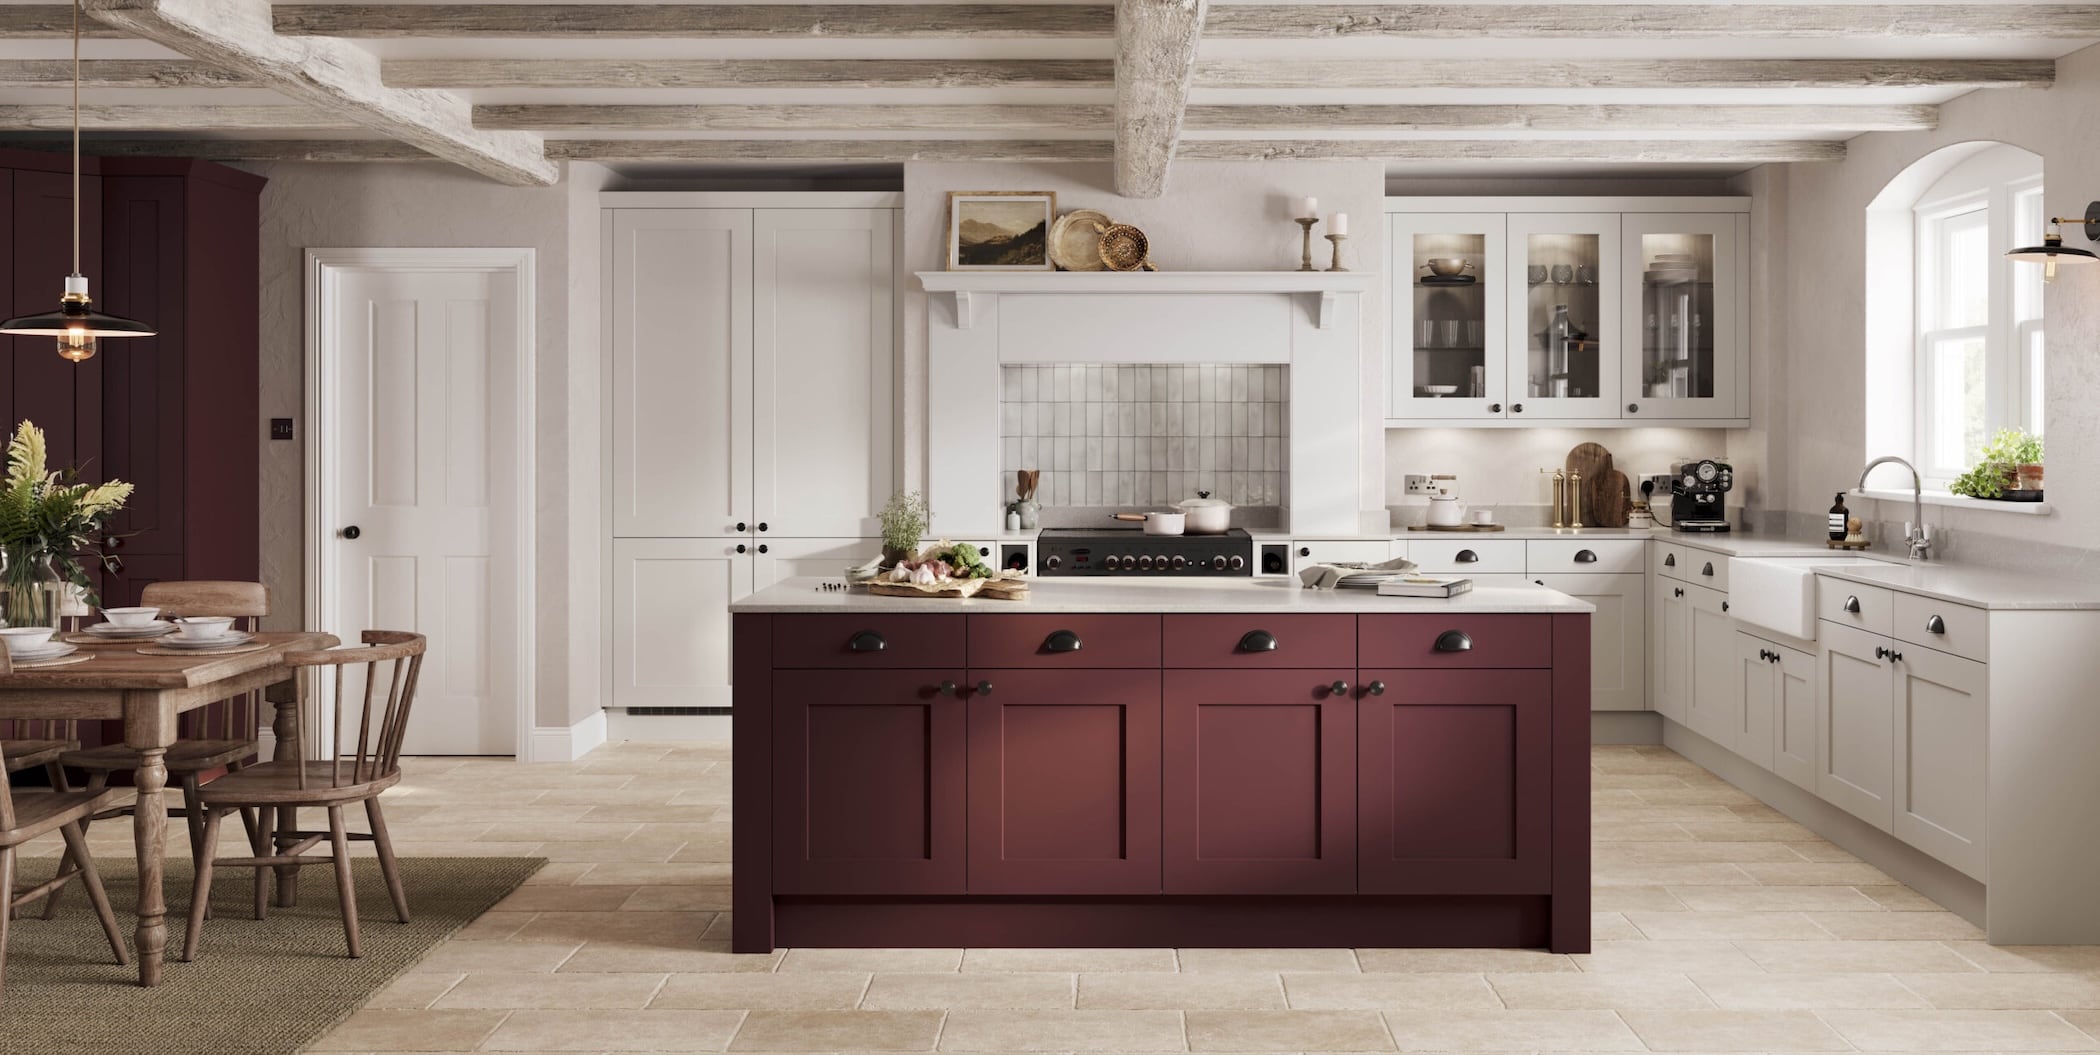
1257	641
1583	556
1062	641
867	641
1466	556
1454	641
1708	570
1669	560
1935	625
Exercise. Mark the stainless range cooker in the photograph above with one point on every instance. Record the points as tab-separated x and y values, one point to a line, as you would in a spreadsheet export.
1090	551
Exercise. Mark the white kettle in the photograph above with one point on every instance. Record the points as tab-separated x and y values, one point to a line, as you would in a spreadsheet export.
1445	510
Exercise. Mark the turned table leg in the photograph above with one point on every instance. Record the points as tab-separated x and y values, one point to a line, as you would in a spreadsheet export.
287	697
149	825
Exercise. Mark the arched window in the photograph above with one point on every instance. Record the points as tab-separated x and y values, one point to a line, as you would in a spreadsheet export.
1956	354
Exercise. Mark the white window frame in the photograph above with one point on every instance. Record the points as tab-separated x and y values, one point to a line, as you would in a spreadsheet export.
2007	392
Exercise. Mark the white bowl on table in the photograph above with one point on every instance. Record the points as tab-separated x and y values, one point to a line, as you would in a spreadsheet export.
29	639
203	627
131	617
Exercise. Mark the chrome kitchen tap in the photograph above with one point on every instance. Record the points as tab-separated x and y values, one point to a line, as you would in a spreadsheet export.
1915	533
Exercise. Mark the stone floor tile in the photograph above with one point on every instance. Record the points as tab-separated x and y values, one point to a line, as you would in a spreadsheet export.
1809	992
647	930
1652	957
1638	832
645	851
572	898
1700	853
872	960
1616	991
1117	1031
1881	957
1642	898
462	957
1775	899
984	990
1901	899
2044	958
1910	926
1678	926
1714	1031
1069	961
637	873
1161	991
412	1031
1741	830
412	991
548	992
677	899
1993	1031
2087	1021
1446	961
1813	874
838	1031
1511	1031
705	958
1648	873
1613	926
1267	960
721	991
614	1031
2007	992
1396	991
1288	1031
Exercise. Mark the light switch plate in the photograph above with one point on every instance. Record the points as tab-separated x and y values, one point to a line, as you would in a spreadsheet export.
281	428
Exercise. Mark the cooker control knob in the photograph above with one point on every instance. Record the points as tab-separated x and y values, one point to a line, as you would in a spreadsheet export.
1144	562
1217	563
1237	562
1129	562
1053	562
1180	562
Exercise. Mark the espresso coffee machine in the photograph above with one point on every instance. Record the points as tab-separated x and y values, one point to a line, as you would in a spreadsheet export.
1696	502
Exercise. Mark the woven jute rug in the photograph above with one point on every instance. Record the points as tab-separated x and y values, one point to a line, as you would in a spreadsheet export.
270	987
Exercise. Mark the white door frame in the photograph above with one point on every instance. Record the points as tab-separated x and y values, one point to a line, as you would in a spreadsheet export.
324	270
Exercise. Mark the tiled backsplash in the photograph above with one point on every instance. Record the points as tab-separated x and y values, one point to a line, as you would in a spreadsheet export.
1146	434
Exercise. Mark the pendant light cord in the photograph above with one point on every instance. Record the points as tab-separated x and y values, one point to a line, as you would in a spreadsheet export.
76	136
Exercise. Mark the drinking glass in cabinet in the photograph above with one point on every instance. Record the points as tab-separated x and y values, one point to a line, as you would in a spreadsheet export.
1564	361
1677	311
1450	312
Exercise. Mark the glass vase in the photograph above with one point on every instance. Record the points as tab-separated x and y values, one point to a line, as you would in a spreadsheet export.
33	592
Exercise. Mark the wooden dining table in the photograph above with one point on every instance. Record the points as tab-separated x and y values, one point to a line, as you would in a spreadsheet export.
148	693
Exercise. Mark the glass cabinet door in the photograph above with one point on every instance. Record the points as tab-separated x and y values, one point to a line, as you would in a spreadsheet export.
1448	316
1682	273
1564	342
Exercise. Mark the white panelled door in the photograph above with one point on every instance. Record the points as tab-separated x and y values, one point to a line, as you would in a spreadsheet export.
422	535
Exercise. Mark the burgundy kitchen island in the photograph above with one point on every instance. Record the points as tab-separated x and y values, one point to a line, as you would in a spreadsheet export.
1162	763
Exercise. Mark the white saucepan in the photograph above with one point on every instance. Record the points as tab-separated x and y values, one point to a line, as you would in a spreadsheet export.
1155	523
1206	515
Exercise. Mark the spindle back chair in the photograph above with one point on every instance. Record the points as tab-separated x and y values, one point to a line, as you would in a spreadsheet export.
36	814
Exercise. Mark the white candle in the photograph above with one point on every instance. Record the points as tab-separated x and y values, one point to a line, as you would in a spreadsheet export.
1310	207
1338	225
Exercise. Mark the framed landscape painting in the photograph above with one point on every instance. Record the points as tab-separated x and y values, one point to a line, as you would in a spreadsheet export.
1000	230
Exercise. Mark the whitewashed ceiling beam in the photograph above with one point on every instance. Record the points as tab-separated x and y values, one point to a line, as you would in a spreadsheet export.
333	75
1336	74
735	118
1956	21
1557	118
1578	151
696	20
170	118
117	73
45	21
230	149
1155	60
1274	21
748	73
830	150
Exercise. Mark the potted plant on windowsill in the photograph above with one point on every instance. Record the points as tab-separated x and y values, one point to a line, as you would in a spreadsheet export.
2010	469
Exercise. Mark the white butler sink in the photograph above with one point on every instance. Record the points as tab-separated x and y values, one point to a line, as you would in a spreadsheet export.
1779	593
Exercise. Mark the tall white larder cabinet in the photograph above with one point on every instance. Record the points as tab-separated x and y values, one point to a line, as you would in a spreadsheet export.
749	415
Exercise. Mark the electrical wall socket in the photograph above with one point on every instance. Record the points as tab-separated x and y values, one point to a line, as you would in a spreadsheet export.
1417	484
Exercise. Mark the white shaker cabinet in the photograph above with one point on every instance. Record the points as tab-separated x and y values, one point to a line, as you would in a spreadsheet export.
669	623
1564	339
1855	724
1618	636
1670	648
1794	717
1448	331
1941	732
1685	322
1715	704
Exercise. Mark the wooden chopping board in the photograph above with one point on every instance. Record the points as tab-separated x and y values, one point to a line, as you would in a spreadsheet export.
1607	500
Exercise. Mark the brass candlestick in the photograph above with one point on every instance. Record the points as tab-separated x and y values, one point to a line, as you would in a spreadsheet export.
1307	222
1336	263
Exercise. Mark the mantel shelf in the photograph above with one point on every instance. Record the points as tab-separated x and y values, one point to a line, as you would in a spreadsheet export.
967	286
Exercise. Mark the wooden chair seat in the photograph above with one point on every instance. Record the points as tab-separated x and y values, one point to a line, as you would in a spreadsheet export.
186	756
38	813
278	784
30	754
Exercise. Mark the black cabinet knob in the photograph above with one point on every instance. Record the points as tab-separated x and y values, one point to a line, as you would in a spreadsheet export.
1257	641
1679	589
741	526
1724	606
741	548
947	688
1339	688
1881	652
1852	605
1466	556
1935	625
1305	551
761	525
865	641
1633	408
1376	688
352	532
984	551
984	688
1895	656
1494	408
1062	641
1583	556
762	547
1454	641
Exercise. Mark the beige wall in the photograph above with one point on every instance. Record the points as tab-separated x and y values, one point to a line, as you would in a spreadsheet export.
396	205
1818	272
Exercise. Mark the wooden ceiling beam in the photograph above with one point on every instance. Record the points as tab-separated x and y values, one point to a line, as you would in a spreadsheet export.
1155	60
34	21
343	150
748	73
117	73
59	118
1965	21
966	20
733	118
1557	118
332	75
831	150
1460	74
1574	151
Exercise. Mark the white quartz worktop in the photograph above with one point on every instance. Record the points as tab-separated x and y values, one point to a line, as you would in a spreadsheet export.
806	595
1981	587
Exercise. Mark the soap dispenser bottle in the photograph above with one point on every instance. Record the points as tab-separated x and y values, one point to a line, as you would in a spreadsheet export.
1838	515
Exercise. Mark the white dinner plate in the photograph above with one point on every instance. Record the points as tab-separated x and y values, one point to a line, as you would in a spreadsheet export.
112	630
228	639
54	650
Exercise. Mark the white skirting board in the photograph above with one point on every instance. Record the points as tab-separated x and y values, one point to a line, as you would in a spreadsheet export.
567	743
624	726
1626	727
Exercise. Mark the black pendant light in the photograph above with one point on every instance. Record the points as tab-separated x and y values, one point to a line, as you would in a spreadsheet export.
75	324
2052	251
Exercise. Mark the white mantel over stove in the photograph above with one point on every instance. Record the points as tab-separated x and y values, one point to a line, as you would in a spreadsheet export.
1311	321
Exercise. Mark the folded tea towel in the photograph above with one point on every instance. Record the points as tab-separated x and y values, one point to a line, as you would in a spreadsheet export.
1328	576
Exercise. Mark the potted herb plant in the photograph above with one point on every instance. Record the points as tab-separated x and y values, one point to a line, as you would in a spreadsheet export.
48	522
2011	461
904	523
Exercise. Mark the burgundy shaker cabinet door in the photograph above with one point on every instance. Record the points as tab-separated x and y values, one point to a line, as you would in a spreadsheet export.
1259	782
1454	768
868	781
1064	781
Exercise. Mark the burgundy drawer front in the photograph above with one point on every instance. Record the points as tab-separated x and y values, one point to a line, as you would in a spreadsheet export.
868	782
1453	769
867	642
1502	641
1064	782
1258	782
1233	642
1064	642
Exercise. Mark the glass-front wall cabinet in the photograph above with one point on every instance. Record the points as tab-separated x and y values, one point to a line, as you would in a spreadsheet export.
1447	275
1680	302
1565	352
